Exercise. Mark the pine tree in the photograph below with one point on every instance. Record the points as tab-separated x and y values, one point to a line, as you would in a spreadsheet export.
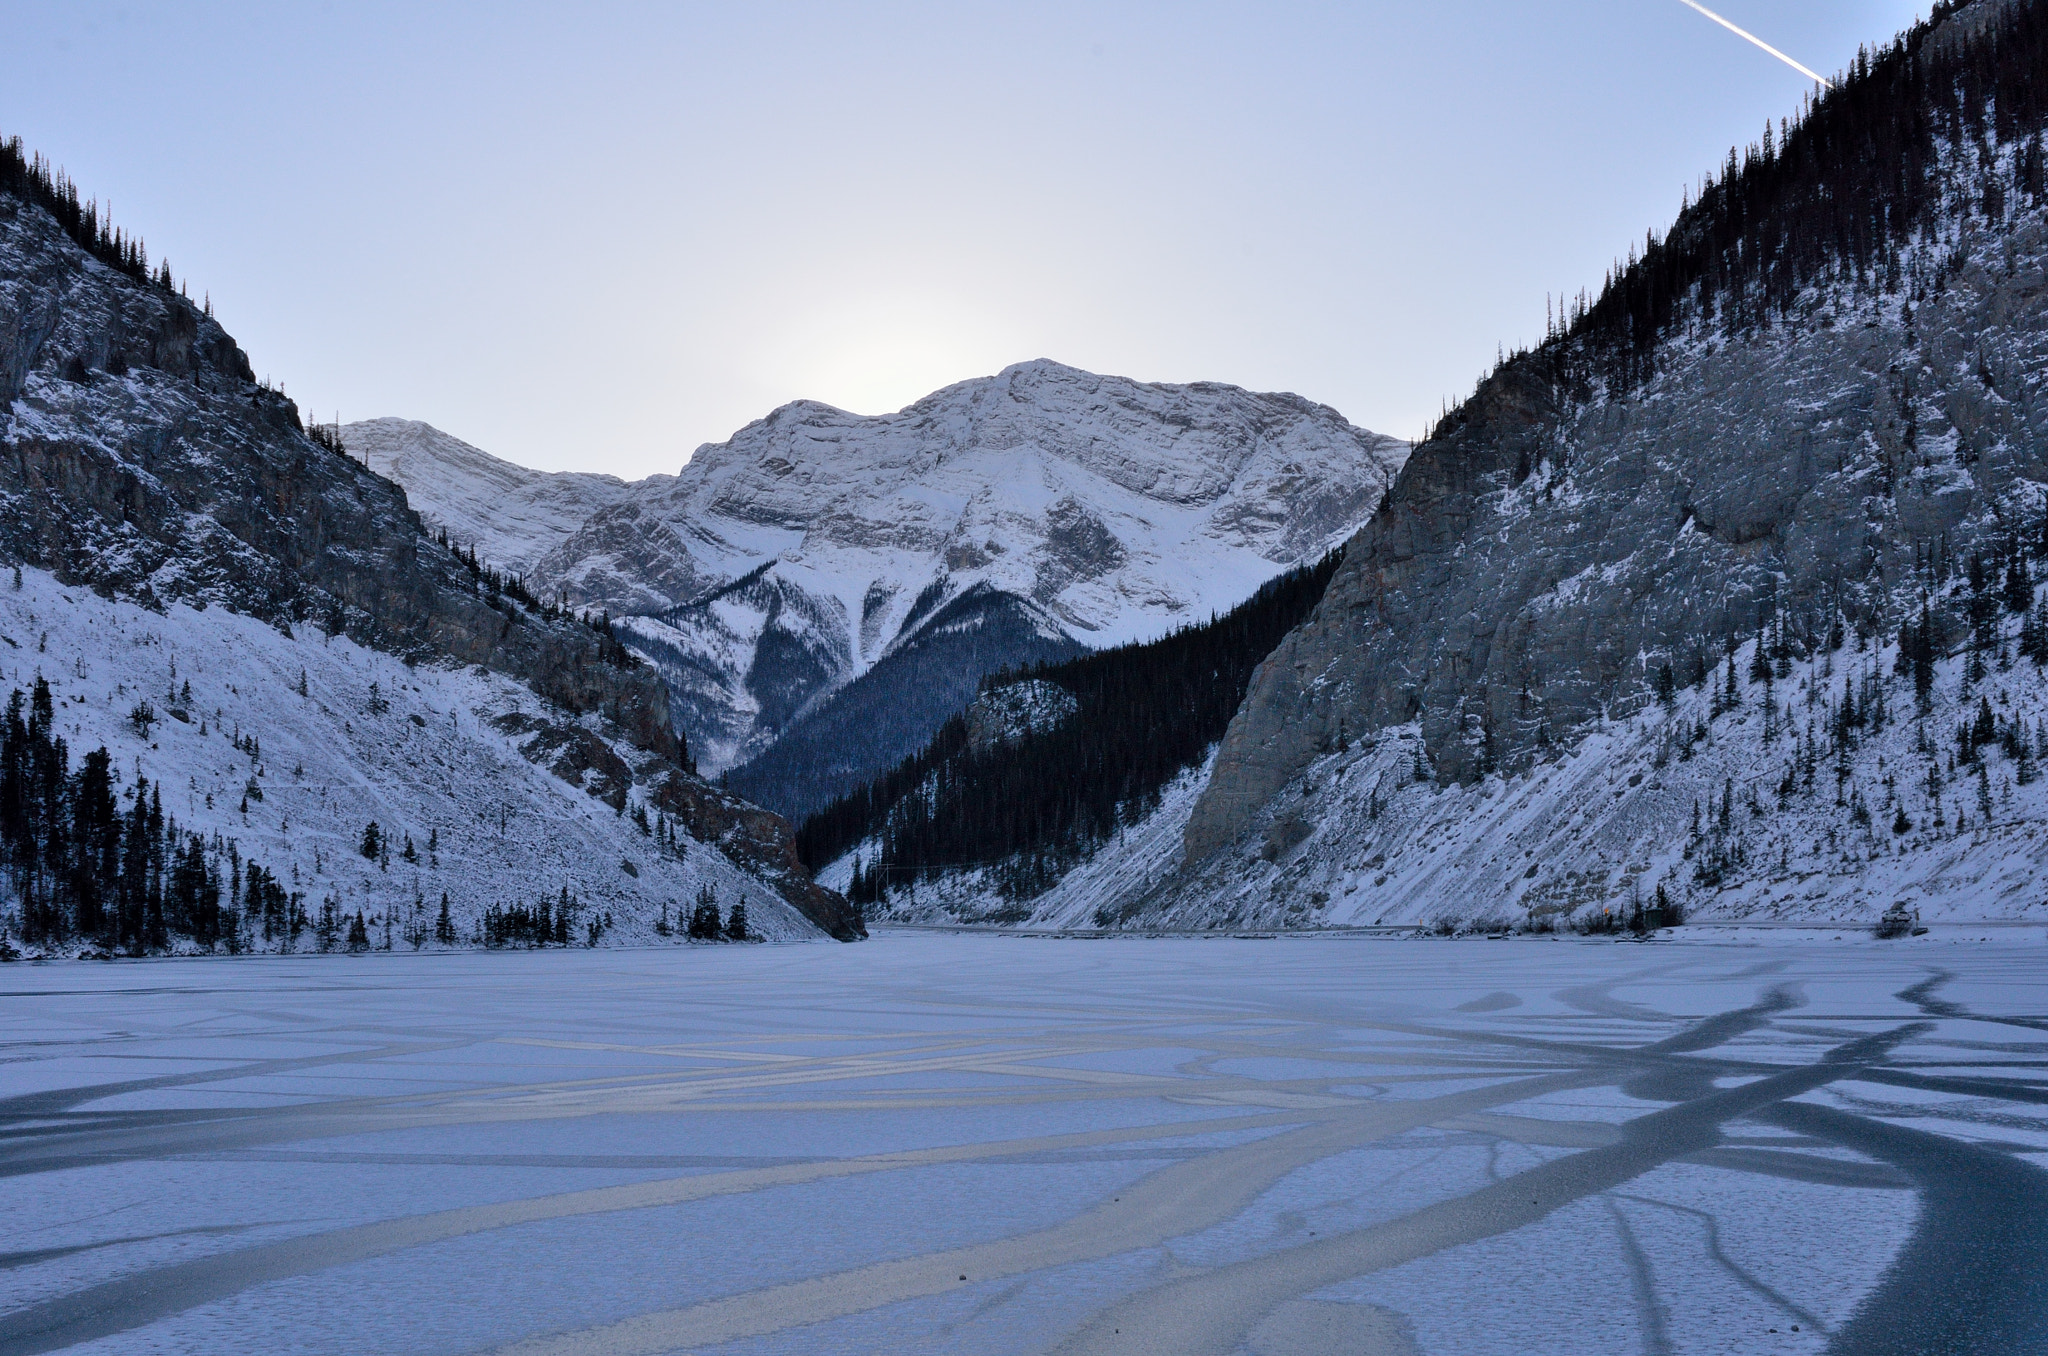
373	841
704	920
736	922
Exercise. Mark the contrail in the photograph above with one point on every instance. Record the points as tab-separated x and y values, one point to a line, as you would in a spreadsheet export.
1745	33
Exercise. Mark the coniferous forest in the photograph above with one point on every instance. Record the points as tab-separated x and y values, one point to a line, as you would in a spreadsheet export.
86	867
35	179
1028	808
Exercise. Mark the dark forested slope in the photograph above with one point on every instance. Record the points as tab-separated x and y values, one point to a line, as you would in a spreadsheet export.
1051	761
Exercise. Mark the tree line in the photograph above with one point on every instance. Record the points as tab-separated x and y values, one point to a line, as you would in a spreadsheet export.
1829	197
33	179
1028	808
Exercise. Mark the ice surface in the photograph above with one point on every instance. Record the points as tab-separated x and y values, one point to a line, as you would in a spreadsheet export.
962	1143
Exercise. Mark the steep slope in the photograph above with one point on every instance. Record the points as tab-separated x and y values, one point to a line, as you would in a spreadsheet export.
139	459
1046	770
283	749
1807	407
509	515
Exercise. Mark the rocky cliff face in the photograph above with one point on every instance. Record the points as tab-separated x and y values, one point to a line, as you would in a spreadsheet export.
1537	566
138	458
1823	466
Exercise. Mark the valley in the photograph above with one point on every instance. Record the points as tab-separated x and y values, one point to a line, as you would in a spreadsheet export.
988	1144
1068	864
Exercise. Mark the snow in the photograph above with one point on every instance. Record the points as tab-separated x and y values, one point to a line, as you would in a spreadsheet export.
1357	841
511	515
1116	509
433	765
958	1143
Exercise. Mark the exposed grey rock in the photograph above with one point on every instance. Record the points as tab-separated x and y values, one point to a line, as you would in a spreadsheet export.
1006	714
1536	564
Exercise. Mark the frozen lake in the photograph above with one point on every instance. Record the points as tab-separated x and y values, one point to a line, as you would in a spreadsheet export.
934	1143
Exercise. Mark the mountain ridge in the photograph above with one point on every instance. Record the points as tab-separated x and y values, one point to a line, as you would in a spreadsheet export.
1726	597
1043	509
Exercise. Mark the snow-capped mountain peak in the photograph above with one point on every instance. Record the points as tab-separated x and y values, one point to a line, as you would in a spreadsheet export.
512	515
1028	515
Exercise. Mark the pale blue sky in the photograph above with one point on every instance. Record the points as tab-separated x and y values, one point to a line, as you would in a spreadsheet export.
594	236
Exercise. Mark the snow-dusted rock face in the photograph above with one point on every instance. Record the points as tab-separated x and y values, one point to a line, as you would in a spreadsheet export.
511	515
1542	561
139	460
1021	517
1833	465
1738	816
1014	710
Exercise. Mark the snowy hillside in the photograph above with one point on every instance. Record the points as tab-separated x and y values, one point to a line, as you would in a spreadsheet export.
1825	822
511	515
166	493
1792	817
1765	415
287	746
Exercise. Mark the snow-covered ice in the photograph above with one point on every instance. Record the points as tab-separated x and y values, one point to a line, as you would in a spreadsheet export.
968	1143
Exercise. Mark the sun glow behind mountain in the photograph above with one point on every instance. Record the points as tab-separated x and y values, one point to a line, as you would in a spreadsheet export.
595	241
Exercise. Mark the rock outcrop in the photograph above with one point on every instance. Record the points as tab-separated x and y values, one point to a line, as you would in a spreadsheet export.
1827	460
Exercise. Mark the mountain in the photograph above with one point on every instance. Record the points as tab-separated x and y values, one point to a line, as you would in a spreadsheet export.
824	589
510	515
1726	597
208	588
1046	768
1811	420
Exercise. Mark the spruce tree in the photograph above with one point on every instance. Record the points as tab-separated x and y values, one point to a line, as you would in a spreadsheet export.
704	920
